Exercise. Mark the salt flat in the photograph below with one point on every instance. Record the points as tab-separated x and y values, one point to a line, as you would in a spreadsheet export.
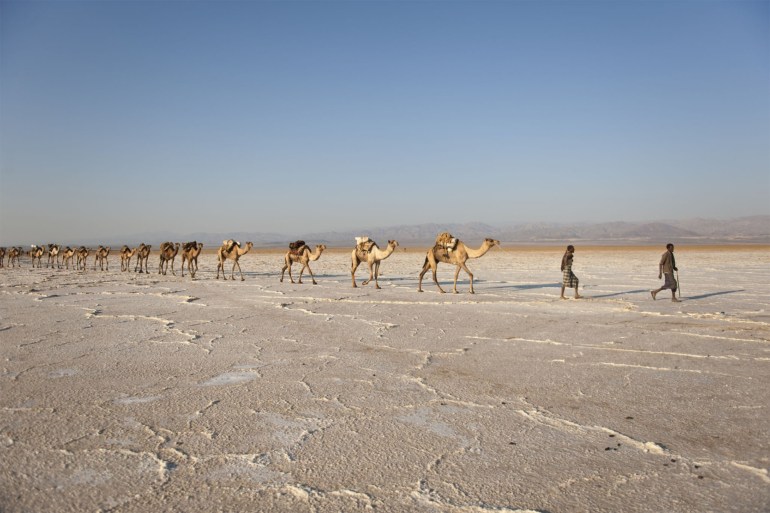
129	392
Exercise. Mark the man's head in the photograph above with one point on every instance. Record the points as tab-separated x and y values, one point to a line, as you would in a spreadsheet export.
670	247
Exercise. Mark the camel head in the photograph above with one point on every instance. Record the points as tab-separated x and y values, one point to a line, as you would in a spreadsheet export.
491	242
393	243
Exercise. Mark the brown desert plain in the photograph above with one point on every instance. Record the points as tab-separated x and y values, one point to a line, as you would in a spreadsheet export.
127	392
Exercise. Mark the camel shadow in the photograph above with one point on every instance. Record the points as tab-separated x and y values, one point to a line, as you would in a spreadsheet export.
704	296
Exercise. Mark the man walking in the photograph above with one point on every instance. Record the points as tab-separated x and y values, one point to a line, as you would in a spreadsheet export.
666	268
568	277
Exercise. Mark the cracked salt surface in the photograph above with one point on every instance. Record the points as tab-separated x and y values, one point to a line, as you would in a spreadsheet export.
131	393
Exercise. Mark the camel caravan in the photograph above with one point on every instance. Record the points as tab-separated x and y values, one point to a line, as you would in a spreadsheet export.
446	249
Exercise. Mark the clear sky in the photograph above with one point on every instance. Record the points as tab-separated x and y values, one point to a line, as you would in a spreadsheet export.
125	117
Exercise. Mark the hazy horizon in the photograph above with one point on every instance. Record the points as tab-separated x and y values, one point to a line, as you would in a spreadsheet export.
301	117
749	230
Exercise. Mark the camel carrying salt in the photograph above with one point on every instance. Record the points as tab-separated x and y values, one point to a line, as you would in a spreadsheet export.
231	250
299	252
458	256
367	251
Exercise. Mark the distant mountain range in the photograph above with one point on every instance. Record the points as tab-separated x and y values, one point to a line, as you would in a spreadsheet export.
755	229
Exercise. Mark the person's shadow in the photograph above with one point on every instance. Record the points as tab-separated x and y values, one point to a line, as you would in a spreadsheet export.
520	287
704	296
621	293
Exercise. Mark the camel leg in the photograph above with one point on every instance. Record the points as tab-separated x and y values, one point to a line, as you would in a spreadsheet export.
470	275
457	273
376	275
188	268
425	268
172	267
232	271
311	274
239	270
435	278
371	274
354	266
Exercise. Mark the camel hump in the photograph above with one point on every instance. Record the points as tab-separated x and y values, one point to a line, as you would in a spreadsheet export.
364	243
230	244
297	247
190	245
446	240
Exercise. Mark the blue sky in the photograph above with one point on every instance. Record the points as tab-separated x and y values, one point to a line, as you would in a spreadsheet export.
134	116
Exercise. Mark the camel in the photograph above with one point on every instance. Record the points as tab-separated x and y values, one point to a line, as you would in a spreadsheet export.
142	255
66	257
101	256
2	256
53	256
168	251
231	250
82	257
458	255
372	257
13	256
37	253
190	252
303	256
125	257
